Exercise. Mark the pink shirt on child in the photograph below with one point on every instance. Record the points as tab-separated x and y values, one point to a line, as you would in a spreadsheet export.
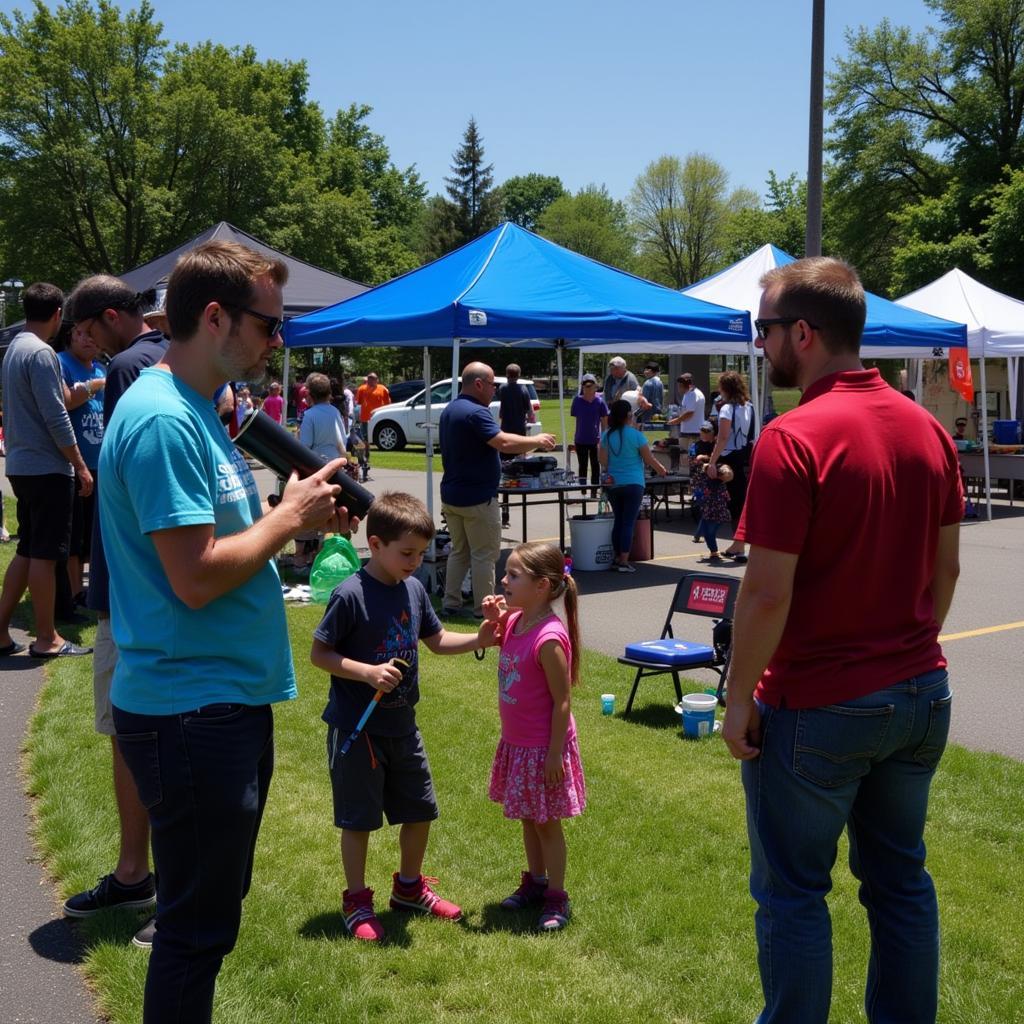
273	406
524	699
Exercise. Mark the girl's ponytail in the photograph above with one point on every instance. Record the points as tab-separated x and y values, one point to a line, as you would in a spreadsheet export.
572	622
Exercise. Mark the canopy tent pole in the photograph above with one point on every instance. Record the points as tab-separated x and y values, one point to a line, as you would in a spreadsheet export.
431	558
754	391
559	346
579	374
764	386
984	435
456	382
429	430
284	381
1012	370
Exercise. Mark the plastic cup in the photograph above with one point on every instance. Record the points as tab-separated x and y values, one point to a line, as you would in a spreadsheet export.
607	703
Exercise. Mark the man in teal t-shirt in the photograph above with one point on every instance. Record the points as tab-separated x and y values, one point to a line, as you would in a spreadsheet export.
197	613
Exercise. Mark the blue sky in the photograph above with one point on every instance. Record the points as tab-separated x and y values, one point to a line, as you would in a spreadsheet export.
590	91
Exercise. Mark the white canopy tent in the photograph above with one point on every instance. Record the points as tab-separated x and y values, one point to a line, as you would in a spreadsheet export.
995	327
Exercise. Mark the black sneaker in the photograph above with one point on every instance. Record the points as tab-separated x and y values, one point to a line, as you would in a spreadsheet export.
111	893
143	938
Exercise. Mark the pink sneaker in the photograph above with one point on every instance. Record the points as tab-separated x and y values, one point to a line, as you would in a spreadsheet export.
555	914
420	897
529	894
360	920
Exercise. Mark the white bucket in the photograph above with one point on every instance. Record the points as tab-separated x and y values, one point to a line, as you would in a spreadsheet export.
698	711
591	539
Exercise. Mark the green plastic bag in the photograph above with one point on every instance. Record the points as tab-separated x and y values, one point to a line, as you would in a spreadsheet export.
334	564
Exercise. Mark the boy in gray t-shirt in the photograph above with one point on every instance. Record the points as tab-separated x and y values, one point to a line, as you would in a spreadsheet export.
368	641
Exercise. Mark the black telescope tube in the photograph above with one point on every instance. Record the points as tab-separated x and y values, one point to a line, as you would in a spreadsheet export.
282	452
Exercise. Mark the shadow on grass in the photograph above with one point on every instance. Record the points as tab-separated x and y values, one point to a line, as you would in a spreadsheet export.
332	926
495	918
654	716
67	941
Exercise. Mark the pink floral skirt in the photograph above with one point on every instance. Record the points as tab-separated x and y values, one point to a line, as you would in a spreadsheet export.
517	782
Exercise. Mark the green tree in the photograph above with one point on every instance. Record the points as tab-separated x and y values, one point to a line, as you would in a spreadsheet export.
926	122
79	88
470	189
591	222
116	145
526	197
680	210
779	221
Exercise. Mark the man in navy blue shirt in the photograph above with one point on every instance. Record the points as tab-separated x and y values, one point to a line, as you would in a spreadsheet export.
112	313
471	448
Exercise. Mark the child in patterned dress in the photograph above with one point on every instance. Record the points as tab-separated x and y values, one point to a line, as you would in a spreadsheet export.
714	508
537	774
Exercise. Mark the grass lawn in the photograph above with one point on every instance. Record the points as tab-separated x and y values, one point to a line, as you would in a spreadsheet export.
662	928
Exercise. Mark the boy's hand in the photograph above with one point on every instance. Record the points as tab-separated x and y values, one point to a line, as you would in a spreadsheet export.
384	677
489	634
494	608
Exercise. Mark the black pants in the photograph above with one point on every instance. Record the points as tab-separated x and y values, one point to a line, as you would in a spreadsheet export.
586	454
737	461
203	778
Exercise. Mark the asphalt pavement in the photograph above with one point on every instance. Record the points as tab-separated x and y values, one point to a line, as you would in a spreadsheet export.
982	640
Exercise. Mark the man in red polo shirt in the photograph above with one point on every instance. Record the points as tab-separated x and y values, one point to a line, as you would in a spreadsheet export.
838	700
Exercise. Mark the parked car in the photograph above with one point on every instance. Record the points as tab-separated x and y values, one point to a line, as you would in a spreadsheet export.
394	426
403	389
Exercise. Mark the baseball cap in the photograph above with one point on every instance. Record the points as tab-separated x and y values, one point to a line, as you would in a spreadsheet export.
706	425
588	378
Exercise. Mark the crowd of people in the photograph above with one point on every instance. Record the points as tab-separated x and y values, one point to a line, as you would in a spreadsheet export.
838	703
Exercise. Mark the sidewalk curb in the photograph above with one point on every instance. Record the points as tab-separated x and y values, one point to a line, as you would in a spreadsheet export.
38	947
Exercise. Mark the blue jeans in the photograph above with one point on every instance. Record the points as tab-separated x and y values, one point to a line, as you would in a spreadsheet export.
203	778
865	765
625	502
709	531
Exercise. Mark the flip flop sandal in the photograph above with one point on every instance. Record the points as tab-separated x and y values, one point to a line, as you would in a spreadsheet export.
68	650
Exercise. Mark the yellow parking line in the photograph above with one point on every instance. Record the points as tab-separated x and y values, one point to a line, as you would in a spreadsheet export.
980	632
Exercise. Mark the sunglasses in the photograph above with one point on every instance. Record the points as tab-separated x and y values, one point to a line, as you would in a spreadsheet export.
762	326
274	324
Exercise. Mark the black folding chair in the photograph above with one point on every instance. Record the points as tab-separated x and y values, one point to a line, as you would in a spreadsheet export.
712	595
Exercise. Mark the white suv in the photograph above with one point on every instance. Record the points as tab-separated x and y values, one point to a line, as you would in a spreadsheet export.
392	427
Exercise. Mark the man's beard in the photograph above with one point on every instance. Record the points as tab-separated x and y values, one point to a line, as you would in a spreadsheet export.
783	370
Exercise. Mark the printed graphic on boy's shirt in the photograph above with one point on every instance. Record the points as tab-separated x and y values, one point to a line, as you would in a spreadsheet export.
508	676
399	642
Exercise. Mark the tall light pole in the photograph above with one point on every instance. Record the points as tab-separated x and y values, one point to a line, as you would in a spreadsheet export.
9	285
812	239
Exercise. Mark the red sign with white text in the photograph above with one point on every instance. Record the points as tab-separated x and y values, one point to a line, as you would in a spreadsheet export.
708	597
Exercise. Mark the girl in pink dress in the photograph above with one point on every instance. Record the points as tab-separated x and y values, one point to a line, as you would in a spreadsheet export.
537	773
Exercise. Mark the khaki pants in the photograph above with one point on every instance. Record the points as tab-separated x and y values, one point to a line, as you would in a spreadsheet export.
476	544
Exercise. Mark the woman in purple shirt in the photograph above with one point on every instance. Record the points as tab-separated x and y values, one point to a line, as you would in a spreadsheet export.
591	415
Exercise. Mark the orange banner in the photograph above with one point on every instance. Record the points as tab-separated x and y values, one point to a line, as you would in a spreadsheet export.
960	379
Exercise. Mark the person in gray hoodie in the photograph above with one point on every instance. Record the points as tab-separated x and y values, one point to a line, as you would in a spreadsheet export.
43	461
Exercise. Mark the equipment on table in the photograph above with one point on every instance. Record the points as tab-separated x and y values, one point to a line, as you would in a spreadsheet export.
529	465
712	595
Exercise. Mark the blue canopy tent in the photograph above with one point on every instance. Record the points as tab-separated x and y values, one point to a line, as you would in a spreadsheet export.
511	287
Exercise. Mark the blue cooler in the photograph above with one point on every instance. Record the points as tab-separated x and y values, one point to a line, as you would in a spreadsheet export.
670	652
1006	431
